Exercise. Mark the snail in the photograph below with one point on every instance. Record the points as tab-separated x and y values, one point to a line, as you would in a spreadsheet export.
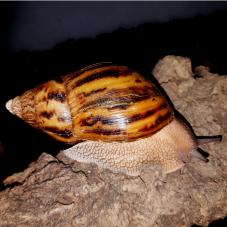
113	116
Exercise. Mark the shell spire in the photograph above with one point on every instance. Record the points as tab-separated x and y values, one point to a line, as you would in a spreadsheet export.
23	106
14	106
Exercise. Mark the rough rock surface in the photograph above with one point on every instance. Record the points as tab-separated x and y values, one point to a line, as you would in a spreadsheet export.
61	192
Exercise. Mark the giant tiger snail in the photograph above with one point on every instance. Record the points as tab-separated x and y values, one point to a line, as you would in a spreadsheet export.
121	119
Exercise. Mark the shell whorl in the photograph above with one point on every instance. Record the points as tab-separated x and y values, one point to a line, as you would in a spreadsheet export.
24	107
100	102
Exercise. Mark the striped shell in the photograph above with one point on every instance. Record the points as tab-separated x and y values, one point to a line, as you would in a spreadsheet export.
101	102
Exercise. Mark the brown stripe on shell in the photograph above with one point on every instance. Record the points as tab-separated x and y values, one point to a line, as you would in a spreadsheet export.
121	98
41	87
63	133
119	107
81	95
67	78
92	120
164	117
96	65
65	119
168	115
46	114
104	74
106	131
148	113
58	96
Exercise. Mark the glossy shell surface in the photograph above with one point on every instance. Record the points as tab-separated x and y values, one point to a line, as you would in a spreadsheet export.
101	102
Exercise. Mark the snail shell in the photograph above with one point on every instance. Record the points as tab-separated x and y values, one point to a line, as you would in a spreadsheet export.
122	119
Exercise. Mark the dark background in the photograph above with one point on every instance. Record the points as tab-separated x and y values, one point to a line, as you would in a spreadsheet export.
42	40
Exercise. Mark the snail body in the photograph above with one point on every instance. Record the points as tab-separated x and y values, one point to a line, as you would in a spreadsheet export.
114	117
